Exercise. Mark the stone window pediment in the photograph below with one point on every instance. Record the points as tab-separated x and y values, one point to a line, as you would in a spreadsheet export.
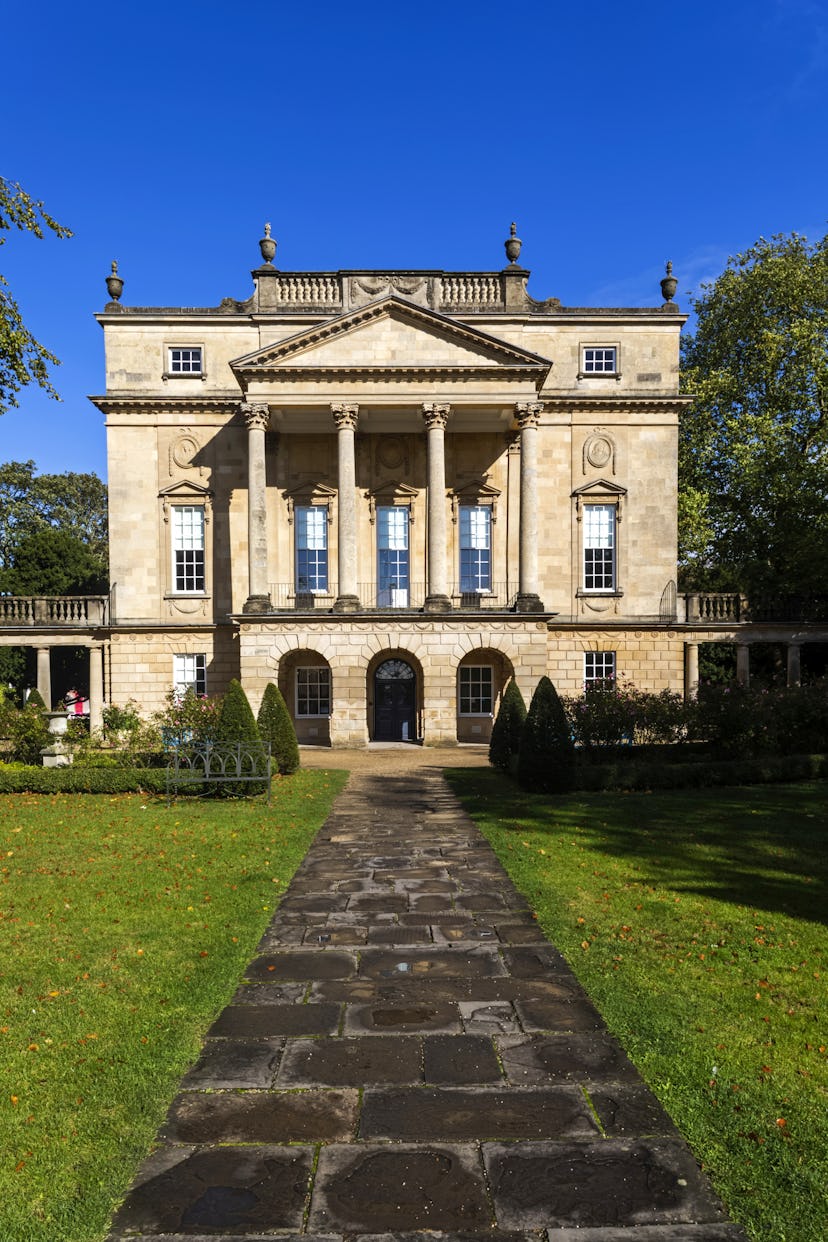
185	492
393	493
310	494
478	492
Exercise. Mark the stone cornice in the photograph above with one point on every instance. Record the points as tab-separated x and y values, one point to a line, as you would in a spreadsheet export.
620	403
149	403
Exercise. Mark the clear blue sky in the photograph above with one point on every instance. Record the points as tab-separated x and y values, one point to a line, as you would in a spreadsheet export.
382	135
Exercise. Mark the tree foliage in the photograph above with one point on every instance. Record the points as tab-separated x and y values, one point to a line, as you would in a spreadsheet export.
23	360
237	724
504	744
753	457
276	727
48	518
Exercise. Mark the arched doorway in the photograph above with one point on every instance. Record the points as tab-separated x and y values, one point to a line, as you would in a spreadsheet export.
395	702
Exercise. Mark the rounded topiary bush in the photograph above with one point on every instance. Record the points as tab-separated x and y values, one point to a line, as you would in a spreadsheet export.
276	727
547	756
504	744
237	724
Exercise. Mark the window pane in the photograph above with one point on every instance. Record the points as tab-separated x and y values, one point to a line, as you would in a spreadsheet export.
475	691
190	673
392	552
313	692
599	547
475	548
599	666
312	548
188	547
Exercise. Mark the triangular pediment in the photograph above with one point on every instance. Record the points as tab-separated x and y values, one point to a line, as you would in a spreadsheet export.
600	487
390	335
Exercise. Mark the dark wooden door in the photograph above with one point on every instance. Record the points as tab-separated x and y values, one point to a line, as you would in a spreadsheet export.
395	702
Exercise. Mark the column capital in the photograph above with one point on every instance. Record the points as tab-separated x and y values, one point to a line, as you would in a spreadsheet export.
528	413
256	417
436	415
345	415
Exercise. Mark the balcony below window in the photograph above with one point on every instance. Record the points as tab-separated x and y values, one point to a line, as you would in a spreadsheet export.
392	596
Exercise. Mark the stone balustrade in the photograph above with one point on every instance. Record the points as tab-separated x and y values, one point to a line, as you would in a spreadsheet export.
336	292
49	611
716	607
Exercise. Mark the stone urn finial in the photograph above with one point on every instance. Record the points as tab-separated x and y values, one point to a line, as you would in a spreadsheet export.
114	283
513	244
267	245
669	284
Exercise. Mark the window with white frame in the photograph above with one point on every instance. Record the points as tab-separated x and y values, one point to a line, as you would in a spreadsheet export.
190	673
188	548
313	692
475	548
185	360
600	360
599	666
311	547
392	555
475	690
599	547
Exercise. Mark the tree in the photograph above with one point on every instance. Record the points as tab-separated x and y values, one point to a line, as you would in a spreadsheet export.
73	504
276	727
547	756
504	744
23	360
54	562
753	457
237	724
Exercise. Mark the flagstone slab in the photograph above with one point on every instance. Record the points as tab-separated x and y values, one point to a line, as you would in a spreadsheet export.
318	1116
459	1060
202	1192
270	1020
352	1062
457	1114
228	1063
413	1016
610	1182
555	1058
366	1189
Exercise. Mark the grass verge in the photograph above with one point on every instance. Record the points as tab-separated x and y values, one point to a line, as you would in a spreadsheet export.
696	921
124	929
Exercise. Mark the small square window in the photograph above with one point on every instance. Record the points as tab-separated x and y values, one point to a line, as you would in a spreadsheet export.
600	360
185	360
599	666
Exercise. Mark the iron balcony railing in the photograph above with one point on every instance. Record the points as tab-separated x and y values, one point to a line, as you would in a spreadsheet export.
48	611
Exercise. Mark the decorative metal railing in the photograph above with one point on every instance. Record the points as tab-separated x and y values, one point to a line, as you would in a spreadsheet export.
236	769
53	610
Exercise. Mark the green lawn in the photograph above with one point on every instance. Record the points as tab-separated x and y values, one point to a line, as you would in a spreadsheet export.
696	920
124	929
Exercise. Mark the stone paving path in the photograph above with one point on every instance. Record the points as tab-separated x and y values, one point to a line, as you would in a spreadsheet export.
408	1057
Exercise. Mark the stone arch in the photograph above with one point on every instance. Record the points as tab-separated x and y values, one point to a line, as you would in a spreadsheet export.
305	678
480	689
384	718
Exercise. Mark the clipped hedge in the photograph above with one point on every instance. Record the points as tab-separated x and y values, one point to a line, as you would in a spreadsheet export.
81	780
642	774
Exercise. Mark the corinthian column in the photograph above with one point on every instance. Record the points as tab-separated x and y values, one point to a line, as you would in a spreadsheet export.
436	417
257	419
528	415
345	417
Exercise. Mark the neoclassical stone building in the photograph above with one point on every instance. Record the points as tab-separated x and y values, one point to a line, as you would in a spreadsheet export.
390	492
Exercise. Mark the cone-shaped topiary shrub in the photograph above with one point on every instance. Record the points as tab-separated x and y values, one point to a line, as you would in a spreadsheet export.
276	727
547	756
236	723
35	699
504	745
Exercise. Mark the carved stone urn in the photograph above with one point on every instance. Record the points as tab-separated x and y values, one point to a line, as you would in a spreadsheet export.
267	246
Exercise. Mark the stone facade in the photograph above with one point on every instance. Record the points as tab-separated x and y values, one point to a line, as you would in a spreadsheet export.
391	492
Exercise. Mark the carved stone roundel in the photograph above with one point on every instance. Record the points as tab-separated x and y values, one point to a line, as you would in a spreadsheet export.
390	452
184	450
599	452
